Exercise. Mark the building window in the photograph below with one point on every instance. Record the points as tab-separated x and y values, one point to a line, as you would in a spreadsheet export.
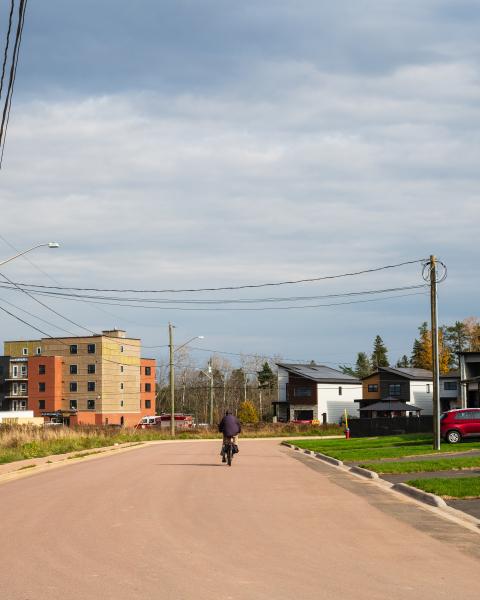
450	386
394	389
121	386
39	350
41	369
90	386
302	392
148	370
25	351
73	405
41	386
23	389
23	370
91	369
148	387
121	368
73	369
15	370
41	404
148	404
73	386
373	387
91	404
91	348
122	348
73	349
121	402
340	391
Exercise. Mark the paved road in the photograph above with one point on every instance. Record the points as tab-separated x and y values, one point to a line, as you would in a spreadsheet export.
170	522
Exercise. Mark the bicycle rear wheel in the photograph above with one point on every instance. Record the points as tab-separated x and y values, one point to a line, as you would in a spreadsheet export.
229	454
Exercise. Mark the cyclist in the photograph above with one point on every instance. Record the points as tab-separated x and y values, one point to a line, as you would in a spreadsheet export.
230	427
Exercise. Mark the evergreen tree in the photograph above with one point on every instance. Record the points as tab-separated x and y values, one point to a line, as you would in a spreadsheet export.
266	377
379	354
363	367
347	370
403	362
456	338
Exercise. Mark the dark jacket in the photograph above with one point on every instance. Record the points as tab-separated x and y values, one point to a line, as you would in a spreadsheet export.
229	426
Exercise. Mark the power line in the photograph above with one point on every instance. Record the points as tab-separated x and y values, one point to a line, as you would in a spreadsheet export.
231	287
13	72
207	301
168	307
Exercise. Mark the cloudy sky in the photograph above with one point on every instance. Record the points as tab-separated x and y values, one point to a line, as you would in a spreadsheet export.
206	143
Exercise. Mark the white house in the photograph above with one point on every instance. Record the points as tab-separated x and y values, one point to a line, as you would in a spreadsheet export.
308	392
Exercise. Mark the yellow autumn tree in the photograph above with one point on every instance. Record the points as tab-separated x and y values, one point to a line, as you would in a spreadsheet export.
423	355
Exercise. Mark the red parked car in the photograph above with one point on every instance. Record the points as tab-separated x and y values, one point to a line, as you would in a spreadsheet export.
460	423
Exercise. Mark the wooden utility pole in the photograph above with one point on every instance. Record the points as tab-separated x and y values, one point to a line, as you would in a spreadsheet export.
172	380
435	357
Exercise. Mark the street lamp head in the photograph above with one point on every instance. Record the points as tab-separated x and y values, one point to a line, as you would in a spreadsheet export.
53	245
200	337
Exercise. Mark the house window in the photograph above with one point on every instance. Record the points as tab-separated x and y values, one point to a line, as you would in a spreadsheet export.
73	349
91	369
394	389
73	405
41	404
148	404
148	370
91	348
73	386
25	351
302	392
428	388
41	386
340	391
38	350
90	386
450	386
148	387
373	387
91	404
41	369
73	369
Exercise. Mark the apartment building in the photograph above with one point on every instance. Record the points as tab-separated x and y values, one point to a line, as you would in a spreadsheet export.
94	380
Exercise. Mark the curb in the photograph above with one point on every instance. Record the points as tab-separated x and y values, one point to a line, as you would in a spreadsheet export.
425	497
364	472
458	516
329	459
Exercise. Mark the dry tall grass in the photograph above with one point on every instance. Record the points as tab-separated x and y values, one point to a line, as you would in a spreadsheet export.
20	442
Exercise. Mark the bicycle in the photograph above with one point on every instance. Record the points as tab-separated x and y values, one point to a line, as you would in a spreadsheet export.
228	449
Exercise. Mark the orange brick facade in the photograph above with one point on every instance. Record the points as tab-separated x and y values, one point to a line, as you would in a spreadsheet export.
92	380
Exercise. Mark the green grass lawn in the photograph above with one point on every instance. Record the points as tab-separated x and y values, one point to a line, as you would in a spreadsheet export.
424	466
465	487
367	449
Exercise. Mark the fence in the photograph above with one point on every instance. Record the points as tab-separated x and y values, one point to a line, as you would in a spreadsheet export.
390	426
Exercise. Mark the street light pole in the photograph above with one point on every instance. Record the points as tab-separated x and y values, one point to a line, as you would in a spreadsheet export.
172	381
49	245
172	350
210	371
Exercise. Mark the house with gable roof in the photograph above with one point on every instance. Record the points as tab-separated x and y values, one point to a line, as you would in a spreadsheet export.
315	392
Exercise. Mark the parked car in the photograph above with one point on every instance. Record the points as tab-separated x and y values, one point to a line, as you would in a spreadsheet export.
460	423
